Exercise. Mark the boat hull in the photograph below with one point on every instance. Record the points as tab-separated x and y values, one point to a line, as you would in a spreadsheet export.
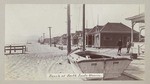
109	67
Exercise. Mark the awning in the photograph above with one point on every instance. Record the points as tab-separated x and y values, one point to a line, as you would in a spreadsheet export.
137	18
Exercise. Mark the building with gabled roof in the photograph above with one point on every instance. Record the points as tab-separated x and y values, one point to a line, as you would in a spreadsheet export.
78	39
90	37
116	28
110	33
63	39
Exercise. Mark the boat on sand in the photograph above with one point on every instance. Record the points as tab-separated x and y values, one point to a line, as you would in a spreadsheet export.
94	62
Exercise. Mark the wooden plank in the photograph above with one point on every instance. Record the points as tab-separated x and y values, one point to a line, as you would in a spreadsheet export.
16	46
10	48
14	49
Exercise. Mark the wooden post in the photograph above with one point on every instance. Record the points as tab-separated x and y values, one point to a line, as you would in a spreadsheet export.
92	41
138	49
10	50
22	49
14	49
68	29
140	34
132	33
83	27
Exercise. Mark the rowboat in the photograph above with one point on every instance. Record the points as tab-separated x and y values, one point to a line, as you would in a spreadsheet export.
94	62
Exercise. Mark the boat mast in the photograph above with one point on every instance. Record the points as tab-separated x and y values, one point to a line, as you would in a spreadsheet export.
83	27
68	29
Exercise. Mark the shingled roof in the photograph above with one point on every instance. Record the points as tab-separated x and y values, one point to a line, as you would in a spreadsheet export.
79	33
116	28
95	29
87	30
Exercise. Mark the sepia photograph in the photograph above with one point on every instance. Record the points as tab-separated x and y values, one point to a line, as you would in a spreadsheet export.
83	42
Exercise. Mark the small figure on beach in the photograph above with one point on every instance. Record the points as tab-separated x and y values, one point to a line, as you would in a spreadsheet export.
128	46
119	44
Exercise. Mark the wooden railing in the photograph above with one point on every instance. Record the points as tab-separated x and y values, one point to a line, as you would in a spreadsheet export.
11	48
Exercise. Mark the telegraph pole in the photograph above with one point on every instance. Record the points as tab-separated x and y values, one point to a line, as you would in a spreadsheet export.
50	36
83	27
68	29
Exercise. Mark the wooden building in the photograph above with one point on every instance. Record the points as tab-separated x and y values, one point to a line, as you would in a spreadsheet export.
78	39
109	34
55	40
91	37
63	39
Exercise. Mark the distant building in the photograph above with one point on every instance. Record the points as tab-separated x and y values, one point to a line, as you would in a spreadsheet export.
56	40
63	39
99	36
91	36
78	37
46	41
41	40
109	34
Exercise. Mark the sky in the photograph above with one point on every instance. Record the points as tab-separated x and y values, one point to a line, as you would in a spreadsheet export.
24	22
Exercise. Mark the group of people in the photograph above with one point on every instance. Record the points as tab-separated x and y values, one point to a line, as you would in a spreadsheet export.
119	44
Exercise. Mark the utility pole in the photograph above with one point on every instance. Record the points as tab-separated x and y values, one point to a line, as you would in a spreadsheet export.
83	27
50	36
68	29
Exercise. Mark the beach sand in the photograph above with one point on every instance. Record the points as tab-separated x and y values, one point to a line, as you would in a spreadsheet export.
36	64
40	61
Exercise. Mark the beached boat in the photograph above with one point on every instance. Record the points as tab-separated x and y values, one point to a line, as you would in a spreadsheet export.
94	62
84	61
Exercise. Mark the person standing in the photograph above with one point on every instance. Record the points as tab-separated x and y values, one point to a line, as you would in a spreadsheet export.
128	46
119	44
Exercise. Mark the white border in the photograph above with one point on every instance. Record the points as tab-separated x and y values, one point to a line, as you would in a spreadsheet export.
2	30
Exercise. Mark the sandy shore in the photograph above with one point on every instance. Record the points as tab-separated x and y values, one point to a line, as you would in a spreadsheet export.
40	61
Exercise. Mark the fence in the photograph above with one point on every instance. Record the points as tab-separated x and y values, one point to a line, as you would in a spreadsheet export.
13	49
